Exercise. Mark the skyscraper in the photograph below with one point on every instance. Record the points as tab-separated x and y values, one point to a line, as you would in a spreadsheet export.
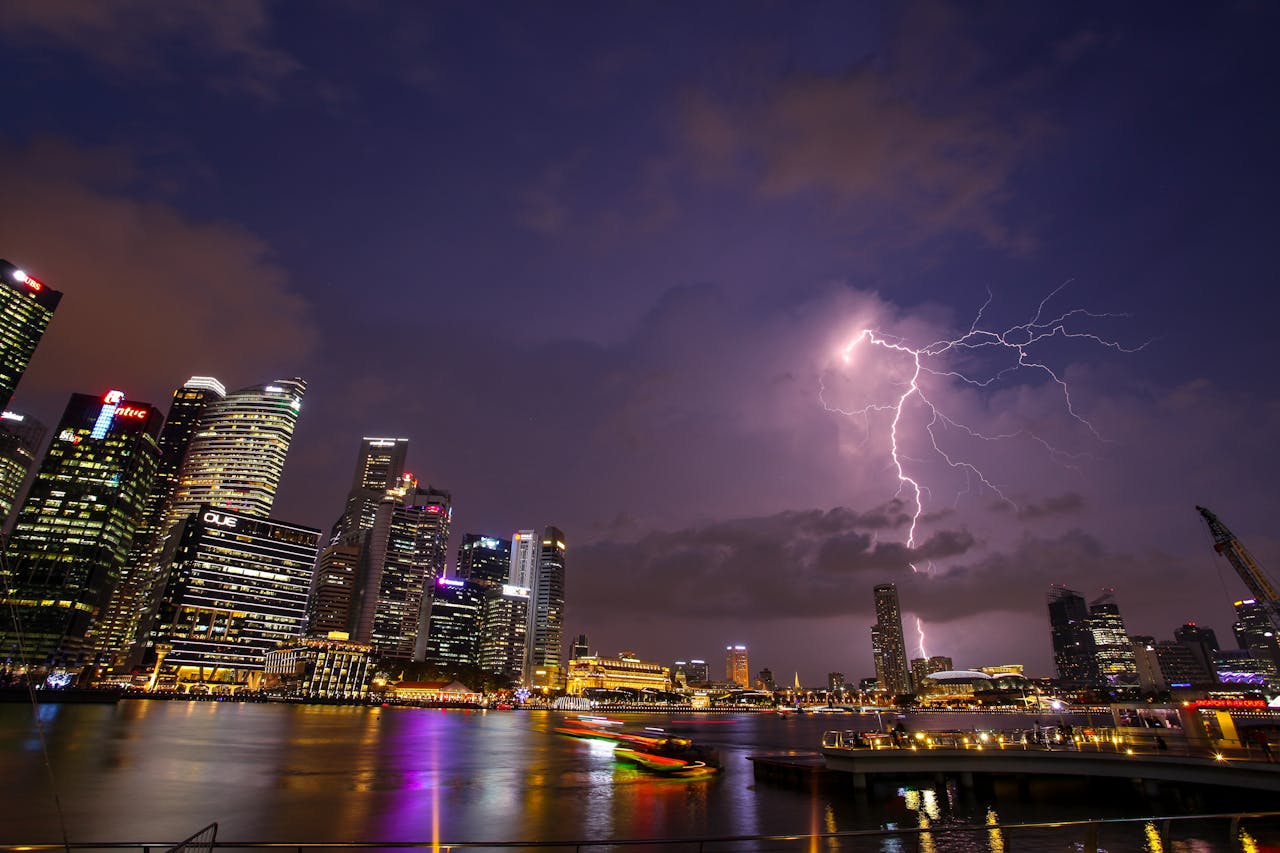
1072	638
1111	647
484	559
333	587
546	608
26	306
888	648
525	548
1255	630
453	624
379	467
502	631
74	531
1202	642
135	593
737	666
20	439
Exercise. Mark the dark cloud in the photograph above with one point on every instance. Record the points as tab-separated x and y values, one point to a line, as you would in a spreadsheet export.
153	296
1064	504
136	36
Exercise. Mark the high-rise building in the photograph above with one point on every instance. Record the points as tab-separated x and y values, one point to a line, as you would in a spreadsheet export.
136	592
581	648
453	624
888	648
921	668
484	559
74	531
525	549
1111	647
26	306
21	437
546	608
1072	638
235	587
379	467
1202	642
502	634
333	587
836	682
403	556
1255	630
765	680
737	668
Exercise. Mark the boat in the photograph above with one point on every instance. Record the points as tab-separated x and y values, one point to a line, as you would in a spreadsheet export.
651	749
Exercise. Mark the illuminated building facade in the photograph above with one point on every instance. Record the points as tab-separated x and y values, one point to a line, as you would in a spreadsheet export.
403	555
333	587
888	648
1180	666
737	668
694	671
236	588
20	439
923	667
502	632
1255	631
627	671
1072	638
379	468
525	549
318	668
26	306
453	623
546	608
1202	642
1112	650
484	559
137	591
73	533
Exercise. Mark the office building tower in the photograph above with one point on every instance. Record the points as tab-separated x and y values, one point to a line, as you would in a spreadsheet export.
503	628
737	669
235	588
836	682
765	681
1180	666
484	559
333	587
21	437
580	647
235	459
379	467
1147	663
546	608
697	672
888	648
403	555
1111	647
921	668
26	306
525	549
136	592
74	530
1072	638
1202	642
1255	630
453	624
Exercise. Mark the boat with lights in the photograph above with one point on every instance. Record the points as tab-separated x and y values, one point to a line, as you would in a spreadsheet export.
651	749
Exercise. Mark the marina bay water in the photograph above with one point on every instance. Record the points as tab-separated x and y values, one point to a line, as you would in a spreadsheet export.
157	771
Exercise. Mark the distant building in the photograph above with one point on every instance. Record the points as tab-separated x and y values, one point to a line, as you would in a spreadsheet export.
737	670
72	535
1242	669
236	588
26	306
888	648
1255	631
922	667
21	437
1072	638
318	668
453	623
484	559
764	681
1111	647
545	638
333	587
581	648
380	465
835	682
624	671
692	673
503	628
1180	666
1202	642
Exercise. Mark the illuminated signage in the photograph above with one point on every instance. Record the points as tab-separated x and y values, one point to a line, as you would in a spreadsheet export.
110	402
517	591
1228	703
449	582
30	281
131	412
219	519
113	398
13	416
491	544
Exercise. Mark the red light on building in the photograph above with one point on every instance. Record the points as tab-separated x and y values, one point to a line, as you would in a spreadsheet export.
35	284
131	412
1224	704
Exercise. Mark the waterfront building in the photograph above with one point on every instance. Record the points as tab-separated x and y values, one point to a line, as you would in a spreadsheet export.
1003	669
21	437
453	624
136	592
545	638
1202	642
503	628
737	669
329	667
888	648
403	556
696	671
1072	638
26	306
73	533
484	559
235	588
626	671
1255	630
333	586
1111	647
434	692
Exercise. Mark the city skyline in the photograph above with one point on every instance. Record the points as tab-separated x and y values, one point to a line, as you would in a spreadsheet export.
642	360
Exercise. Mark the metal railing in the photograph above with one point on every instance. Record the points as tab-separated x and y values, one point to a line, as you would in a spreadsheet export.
1086	836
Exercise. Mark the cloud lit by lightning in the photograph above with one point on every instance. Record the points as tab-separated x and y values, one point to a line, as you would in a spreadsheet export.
965	360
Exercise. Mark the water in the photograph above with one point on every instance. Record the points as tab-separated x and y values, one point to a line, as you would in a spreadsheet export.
156	771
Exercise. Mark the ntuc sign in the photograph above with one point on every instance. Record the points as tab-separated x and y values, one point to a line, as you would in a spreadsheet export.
218	519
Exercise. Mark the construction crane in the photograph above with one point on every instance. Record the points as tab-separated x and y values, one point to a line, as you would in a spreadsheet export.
1226	544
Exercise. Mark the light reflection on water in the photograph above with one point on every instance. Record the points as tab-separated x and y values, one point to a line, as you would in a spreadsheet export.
154	771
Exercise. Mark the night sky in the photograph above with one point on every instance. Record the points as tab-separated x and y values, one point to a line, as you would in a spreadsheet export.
598	262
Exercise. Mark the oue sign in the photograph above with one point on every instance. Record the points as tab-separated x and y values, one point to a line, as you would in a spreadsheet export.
219	519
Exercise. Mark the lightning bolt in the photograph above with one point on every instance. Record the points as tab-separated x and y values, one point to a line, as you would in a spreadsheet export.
934	363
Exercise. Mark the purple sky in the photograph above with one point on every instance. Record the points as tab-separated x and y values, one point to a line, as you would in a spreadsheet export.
599	262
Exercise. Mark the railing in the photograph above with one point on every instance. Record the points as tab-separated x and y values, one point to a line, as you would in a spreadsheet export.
1085	835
